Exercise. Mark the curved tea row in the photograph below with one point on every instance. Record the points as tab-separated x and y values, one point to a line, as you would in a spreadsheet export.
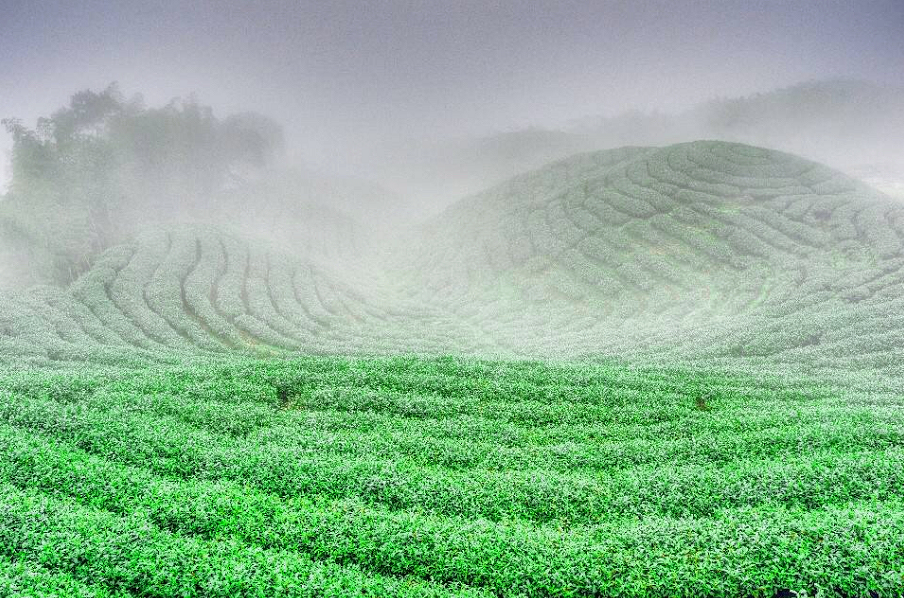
702	250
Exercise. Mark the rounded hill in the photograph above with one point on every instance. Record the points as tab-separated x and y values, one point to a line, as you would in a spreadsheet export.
700	250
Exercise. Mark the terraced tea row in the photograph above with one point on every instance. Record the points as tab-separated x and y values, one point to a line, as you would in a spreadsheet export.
240	477
191	290
706	250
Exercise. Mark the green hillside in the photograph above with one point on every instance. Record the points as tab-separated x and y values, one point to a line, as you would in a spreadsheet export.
712	406
789	258
704	251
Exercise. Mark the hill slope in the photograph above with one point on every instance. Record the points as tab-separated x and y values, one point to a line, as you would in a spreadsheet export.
702	250
679	236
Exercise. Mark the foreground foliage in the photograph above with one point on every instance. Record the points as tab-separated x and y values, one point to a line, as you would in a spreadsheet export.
413	476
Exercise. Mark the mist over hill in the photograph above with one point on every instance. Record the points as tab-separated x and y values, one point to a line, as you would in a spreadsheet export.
472	299
706	250
100	170
852	125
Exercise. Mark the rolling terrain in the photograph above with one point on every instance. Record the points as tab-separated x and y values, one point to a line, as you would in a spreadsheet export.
707	251
636	372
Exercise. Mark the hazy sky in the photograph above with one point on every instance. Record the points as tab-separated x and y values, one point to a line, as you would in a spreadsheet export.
342	76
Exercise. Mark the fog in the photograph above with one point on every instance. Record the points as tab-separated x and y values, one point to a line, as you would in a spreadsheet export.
391	110
356	82
351	297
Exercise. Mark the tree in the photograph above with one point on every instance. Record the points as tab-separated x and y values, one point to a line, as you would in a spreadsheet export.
89	174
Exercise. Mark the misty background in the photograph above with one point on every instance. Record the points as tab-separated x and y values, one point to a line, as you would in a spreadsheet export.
348	80
394	109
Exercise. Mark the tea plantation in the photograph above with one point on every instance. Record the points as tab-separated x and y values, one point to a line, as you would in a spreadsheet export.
708	251
638	372
449	476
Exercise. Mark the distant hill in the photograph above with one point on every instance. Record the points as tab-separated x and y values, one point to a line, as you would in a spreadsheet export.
721	248
436	174
705	250
297	209
853	125
846	123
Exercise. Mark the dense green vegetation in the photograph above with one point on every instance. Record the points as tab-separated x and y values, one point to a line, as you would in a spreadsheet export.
195	410
413	476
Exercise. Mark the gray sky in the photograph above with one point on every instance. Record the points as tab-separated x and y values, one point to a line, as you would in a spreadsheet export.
342	76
